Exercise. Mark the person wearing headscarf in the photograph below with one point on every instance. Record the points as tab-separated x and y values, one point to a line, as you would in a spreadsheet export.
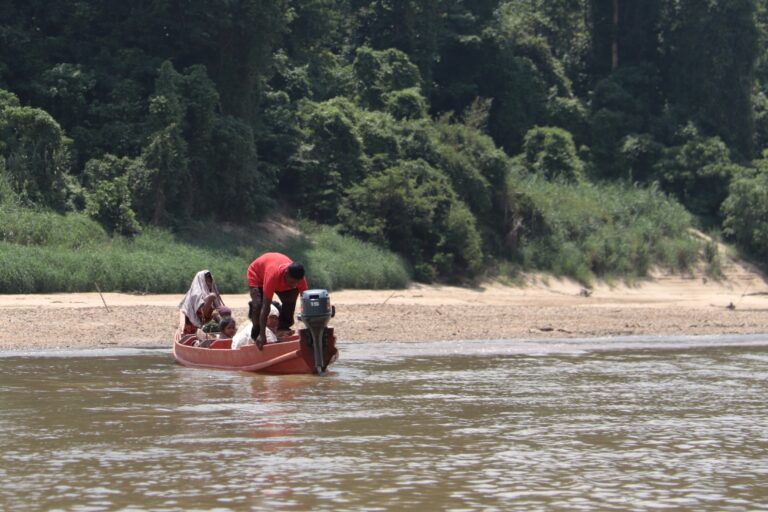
199	305
244	335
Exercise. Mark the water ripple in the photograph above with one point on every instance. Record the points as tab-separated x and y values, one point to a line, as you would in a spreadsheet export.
627	426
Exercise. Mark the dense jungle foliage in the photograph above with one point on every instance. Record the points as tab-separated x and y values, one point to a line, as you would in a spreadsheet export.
579	137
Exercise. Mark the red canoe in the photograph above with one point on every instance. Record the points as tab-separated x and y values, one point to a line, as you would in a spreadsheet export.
294	355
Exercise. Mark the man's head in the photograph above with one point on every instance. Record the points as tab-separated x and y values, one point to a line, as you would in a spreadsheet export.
293	274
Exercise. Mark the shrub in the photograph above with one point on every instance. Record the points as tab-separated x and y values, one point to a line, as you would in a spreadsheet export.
550	151
570	115
378	72
36	153
335	261
48	252
697	172
7	195
412	209
745	211
23	226
638	154
108	195
406	103
381	140
331	156
614	230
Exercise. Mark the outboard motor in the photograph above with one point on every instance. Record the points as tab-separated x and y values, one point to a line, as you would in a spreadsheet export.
316	312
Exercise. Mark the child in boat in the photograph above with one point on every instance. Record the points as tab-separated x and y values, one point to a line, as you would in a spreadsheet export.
214	325
199	305
243	336
227	328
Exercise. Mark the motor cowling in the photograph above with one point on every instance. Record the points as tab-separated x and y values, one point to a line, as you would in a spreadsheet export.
316	312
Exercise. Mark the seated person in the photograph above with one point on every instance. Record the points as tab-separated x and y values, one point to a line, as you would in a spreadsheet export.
212	329
227	328
199	305
272	321
243	336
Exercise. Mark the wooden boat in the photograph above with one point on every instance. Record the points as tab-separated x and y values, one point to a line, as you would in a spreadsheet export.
290	355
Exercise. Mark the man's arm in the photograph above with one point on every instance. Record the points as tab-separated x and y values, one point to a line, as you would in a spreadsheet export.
263	315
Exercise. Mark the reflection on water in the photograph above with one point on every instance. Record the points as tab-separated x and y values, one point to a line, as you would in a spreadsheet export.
462	426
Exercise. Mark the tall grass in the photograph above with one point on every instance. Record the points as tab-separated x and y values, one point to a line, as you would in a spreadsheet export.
605	230
24	226
116	265
47	252
339	261
582	231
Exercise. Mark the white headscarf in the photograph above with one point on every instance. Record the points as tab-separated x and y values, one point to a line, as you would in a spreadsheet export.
243	336
196	295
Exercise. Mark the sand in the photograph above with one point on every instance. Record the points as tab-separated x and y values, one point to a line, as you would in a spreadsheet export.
544	307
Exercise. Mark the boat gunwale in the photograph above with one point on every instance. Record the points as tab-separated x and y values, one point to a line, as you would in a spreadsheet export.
247	358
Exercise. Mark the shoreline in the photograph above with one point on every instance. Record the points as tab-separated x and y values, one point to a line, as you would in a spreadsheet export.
665	305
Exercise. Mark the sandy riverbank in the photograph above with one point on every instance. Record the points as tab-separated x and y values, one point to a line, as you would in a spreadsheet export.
664	305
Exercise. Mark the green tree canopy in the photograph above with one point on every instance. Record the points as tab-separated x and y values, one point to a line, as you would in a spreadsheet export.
35	151
412	210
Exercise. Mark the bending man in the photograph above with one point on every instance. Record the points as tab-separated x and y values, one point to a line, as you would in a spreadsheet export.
269	274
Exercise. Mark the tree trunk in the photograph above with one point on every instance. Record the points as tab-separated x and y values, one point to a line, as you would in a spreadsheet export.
615	36
159	206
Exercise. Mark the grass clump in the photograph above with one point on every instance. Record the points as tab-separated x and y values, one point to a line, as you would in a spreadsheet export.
610	231
712	259
117	265
339	261
45	252
25	226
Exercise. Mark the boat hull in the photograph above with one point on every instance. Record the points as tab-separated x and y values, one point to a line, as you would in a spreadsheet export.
293	356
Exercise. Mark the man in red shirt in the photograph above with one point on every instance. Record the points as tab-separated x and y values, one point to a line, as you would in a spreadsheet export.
269	274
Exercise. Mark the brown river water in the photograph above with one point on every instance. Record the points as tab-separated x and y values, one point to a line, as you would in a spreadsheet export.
622	424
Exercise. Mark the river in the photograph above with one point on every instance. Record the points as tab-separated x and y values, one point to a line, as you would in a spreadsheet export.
606	424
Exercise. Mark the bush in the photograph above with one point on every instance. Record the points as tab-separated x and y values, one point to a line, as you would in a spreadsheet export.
412	209
36	153
746	211
108	195
23	226
378	72
331	158
381	139
570	115
609	231
697	172
335	261
623	103
406	103
477	168
48	252
550	152
638	154
7	194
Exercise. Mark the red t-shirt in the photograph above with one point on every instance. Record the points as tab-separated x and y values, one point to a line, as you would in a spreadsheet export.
268	272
